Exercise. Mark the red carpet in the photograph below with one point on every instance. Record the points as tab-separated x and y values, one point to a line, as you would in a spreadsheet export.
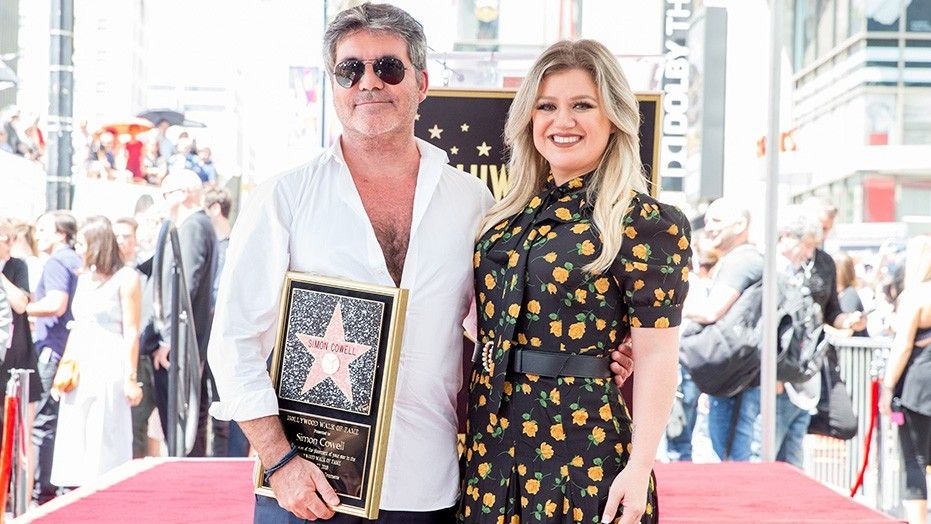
759	493
204	491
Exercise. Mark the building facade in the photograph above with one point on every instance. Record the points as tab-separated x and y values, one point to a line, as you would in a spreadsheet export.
861	108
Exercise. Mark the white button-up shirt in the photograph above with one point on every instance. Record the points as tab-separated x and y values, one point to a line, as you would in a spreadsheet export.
311	219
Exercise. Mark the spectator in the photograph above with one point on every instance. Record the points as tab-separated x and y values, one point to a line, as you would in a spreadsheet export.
94	432
182	191
847	296
13	137
153	166
14	276
906	387
803	263
125	231
55	233
166	147
205	162
134	158
731	420
25	248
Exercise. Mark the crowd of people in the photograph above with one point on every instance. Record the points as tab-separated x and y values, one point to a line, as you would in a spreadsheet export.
21	135
76	307
874	294
137	155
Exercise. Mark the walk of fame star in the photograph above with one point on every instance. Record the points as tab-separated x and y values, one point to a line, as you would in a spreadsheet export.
332	355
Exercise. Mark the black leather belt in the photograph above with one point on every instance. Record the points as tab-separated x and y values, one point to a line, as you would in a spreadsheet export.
549	364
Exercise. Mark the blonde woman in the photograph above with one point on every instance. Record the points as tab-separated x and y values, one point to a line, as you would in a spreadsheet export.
908	376
576	257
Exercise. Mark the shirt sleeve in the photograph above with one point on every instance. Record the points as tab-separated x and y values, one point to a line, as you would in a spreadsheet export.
57	276
741	269
19	274
652	266
243	330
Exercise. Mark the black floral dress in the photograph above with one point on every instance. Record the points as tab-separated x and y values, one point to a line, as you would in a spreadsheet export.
542	449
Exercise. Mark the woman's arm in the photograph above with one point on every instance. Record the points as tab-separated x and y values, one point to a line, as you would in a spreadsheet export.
656	357
131	302
906	324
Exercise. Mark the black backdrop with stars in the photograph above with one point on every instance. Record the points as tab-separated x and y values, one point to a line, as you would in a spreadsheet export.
469	126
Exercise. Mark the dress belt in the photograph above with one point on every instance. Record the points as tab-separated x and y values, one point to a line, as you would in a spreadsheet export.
548	364
551	364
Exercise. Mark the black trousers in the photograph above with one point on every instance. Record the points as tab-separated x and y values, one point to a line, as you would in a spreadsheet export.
43	430
267	511
915	439
161	401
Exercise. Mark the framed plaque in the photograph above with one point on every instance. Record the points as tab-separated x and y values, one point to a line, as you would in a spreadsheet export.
334	369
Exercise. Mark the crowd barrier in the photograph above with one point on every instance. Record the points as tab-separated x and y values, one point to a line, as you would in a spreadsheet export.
836	463
14	460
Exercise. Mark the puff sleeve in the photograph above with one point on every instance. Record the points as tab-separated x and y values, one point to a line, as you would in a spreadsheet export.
652	266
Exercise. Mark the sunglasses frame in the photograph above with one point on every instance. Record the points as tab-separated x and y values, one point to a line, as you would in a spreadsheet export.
377	65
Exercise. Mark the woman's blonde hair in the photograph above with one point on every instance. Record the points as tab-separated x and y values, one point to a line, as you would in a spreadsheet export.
918	261
619	171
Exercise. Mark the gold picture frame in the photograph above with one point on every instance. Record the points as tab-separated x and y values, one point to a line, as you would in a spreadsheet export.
334	370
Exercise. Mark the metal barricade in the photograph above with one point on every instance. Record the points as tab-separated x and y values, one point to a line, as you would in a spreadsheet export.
18	386
836	463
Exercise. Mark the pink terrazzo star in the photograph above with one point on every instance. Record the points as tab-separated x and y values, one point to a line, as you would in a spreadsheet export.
332	355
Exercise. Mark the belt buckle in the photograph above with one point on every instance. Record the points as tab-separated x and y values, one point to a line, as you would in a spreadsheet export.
486	356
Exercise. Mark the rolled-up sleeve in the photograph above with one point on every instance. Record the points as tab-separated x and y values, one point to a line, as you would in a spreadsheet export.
250	286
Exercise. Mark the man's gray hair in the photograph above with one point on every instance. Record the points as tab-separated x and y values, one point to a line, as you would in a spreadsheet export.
376	18
799	221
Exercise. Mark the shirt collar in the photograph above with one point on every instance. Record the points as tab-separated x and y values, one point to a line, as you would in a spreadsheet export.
428	152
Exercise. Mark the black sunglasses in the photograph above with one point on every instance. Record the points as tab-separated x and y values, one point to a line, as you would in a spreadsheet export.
387	68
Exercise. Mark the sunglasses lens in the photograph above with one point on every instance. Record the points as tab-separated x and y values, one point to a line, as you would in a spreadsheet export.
348	73
389	69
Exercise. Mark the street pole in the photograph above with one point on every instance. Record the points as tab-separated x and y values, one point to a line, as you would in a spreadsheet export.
770	289
61	96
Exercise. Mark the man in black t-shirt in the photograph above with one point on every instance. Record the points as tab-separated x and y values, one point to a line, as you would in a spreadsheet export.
727	226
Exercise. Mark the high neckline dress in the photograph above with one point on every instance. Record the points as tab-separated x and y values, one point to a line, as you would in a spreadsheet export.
546	449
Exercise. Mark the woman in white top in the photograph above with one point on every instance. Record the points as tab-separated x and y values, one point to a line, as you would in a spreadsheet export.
94	421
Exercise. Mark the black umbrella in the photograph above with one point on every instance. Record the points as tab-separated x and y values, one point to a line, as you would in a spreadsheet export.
171	116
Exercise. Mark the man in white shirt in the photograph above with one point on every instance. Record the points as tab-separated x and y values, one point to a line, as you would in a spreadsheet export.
382	207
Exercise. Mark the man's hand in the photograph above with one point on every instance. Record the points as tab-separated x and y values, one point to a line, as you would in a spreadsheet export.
623	363
160	357
299	487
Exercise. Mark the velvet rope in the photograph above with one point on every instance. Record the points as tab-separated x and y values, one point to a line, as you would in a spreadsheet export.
874	415
11	410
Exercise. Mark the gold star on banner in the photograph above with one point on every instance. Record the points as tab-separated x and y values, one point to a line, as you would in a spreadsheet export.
454	150
417	117
435	132
464	128
483	149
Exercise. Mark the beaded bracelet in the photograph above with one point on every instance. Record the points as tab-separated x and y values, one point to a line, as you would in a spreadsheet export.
281	463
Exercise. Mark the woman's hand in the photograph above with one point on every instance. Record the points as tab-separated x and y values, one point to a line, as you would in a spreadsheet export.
55	393
885	401
629	489
133	392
